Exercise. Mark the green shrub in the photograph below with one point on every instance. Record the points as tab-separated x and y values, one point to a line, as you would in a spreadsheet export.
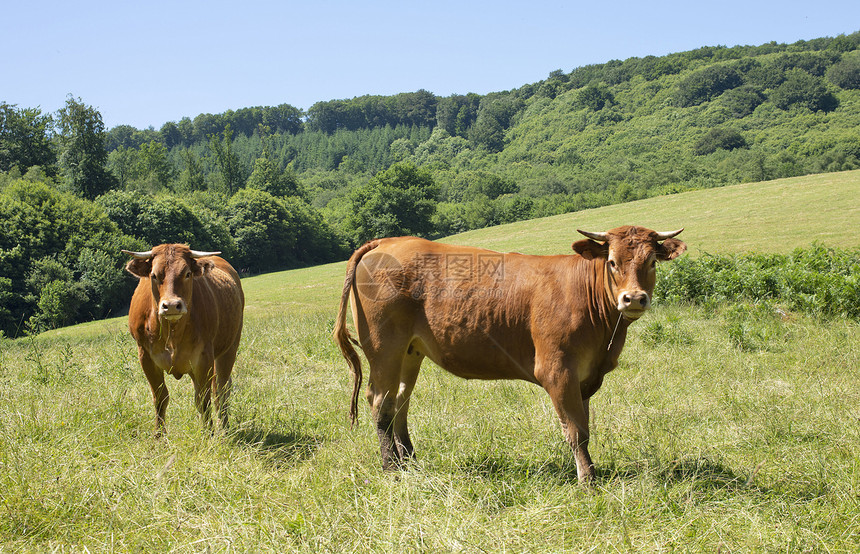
820	281
742	101
53	248
719	138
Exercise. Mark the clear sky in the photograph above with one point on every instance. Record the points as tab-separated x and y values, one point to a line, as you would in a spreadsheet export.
145	63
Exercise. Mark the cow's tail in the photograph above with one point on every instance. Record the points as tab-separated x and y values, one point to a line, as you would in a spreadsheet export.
341	333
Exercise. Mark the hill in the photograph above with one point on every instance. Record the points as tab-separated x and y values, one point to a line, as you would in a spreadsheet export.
774	216
274	188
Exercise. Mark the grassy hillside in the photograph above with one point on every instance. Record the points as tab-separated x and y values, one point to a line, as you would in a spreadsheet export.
774	216
701	442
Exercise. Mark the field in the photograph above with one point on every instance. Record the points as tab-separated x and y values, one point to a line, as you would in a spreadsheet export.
724	428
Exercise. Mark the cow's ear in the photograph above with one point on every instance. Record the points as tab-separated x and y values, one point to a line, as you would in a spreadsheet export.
139	267
671	249
199	267
590	249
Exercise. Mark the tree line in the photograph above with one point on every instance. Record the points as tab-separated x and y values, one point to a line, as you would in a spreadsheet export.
276	187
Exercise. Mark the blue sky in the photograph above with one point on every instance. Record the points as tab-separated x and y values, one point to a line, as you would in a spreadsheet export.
146	63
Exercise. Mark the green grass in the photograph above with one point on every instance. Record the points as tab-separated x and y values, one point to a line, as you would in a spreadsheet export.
727	428
775	216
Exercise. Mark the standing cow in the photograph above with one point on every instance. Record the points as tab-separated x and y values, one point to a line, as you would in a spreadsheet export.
186	316
556	321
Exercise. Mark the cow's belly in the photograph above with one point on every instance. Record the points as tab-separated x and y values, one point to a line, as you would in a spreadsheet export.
483	359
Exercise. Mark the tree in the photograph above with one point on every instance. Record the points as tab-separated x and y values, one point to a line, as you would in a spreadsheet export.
398	201
24	140
170	134
191	178
742	101
153	166
283	119
456	113
846	73
123	163
706	84
47	243
594	97
803	90
263	230
227	161
266	175
83	157
158	219
494	116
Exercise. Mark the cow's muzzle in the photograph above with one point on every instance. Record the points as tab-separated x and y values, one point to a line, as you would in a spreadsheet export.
633	303
172	310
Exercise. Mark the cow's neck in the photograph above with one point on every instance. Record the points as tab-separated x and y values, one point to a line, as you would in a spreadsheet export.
172	333
603	300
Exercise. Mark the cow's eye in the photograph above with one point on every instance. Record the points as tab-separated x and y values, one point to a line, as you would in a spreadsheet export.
653	264
612	264
154	277
188	275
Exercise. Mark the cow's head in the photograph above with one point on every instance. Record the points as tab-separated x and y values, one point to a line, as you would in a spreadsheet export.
170	269
630	255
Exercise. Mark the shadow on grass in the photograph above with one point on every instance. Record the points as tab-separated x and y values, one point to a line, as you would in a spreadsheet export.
701	472
278	448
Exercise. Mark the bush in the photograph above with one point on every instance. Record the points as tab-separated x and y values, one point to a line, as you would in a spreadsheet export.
58	305
719	138
742	101
48	246
820	281
163	219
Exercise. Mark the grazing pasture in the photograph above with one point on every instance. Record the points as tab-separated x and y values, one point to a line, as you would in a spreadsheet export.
726	427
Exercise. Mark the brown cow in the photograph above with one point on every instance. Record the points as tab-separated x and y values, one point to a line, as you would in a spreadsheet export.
186	316
556	321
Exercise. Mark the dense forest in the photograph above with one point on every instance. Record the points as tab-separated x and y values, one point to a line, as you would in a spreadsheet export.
276	187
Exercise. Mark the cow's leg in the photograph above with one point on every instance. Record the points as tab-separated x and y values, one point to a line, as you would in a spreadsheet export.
572	409
223	382
382	389
160	396
408	375
202	377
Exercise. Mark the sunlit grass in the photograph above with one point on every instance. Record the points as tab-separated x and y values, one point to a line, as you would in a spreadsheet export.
725	428
699	445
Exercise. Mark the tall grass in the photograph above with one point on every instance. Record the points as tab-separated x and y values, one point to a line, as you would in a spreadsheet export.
729	426
706	438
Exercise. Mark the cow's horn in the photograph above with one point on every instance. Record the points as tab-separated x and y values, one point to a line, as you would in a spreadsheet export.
199	254
664	236
592	235
139	255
